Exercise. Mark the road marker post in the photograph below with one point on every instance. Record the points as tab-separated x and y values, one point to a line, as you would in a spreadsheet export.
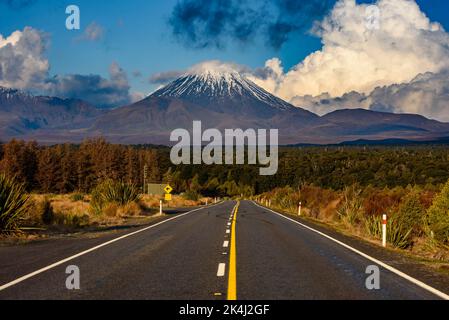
384	230
299	208
160	207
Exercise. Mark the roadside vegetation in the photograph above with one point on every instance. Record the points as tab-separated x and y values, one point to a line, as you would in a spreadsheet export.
418	217
97	183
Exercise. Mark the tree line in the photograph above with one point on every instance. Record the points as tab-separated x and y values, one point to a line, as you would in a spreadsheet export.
69	168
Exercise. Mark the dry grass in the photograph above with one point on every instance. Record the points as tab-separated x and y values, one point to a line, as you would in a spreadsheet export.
152	201
71	213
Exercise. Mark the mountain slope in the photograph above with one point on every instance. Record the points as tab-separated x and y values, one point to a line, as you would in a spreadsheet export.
384	125
220	99
22	113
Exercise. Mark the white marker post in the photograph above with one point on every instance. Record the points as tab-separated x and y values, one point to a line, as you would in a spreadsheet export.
384	230
299	208
160	207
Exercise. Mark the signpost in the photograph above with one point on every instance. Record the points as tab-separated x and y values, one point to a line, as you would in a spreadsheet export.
168	190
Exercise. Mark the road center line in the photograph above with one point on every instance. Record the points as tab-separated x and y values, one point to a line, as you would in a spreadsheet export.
221	270
56	264
225	244
232	279
380	263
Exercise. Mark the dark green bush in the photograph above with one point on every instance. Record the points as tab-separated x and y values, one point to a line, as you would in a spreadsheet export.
438	217
46	212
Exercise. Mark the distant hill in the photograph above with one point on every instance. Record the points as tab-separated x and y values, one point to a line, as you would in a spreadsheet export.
222	100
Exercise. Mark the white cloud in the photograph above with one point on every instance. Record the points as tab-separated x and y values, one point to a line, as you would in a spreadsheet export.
355	58
23	64
427	94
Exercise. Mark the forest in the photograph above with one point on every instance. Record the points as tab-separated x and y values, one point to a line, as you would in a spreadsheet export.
70	168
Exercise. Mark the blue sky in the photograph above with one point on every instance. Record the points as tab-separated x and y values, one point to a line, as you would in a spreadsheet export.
138	37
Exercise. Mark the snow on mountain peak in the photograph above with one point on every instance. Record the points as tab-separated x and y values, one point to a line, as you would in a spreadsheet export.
218	81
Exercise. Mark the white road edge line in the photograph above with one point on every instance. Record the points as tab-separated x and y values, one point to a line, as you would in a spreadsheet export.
56	264
221	270
384	265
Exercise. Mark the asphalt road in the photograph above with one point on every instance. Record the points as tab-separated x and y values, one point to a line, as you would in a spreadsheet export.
190	256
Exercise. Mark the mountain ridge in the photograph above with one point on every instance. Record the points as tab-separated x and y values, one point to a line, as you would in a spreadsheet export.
222	100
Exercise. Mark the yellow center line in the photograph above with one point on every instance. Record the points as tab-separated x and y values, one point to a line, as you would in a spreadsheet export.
232	280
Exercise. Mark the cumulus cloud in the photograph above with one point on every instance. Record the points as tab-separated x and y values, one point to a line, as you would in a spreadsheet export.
211	23
105	93
23	65
357	58
427	94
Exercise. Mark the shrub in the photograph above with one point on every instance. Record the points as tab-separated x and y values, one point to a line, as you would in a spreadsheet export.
46	212
411	214
113	192
398	233
438	216
13	200
350	211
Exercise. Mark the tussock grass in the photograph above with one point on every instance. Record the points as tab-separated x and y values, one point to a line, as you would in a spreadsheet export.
13	200
113	193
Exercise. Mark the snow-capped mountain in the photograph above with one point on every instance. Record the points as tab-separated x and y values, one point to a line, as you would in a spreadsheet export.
219	88
219	98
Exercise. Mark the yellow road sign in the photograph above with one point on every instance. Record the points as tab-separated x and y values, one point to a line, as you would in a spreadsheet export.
168	197
168	189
